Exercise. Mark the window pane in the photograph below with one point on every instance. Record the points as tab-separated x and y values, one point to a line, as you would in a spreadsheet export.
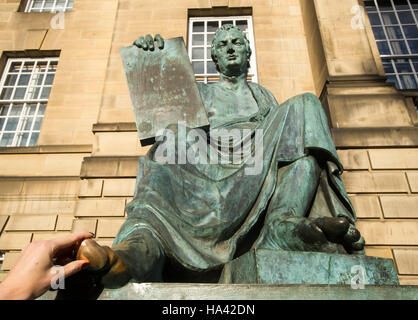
212	67
34	139
6	94
198	26
32	109
197	39
19	93
399	47
10	80
403	66
45	93
198	67
11	124
388	67
369	5
37	125
209	39
197	53
28	67
2	121
406	17
242	24
16	110
393	79
389	18
378	33
37	79
414	4
24	140
23	79
383	47
401	4
33	93
28	124
60	5
385	5
4	110
413	45
213	26
408	81
374	19
42	108
7	139
41	66
410	31
15	67
52	66
394	32
227	22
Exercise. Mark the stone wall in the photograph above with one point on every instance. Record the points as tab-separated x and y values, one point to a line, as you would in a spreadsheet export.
82	173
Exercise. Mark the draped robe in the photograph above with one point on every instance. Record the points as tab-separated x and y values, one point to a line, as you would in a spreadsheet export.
202	213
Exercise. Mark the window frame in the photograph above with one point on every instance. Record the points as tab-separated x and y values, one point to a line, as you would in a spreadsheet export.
212	77
32	110
391	60
53	9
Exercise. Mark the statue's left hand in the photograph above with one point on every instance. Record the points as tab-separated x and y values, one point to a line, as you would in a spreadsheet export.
147	43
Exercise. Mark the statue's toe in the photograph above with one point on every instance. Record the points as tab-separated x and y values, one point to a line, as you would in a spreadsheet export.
334	228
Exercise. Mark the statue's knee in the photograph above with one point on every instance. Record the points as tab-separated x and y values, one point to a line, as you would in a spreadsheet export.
307	164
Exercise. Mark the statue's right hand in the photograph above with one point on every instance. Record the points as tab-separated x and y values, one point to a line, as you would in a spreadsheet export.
147	43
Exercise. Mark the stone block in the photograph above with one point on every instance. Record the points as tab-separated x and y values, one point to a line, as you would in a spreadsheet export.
64	223
379	252
14	240
48	235
366	206
394	158
406	260
39	207
31	223
52	186
192	291
408	281
91	188
10	259
413	180
400	206
3	220
100	207
354	159
389	232
264	266
108	228
119	187
375	182
84	225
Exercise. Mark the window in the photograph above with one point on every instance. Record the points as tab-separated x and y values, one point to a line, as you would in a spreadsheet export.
24	92
49	5
395	27
201	32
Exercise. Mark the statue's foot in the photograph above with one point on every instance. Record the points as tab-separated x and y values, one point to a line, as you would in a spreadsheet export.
105	265
340	230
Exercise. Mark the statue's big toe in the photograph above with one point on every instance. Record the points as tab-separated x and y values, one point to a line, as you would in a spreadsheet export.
334	228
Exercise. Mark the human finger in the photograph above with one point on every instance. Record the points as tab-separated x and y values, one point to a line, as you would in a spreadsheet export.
149	41
159	41
74	267
68	241
140	43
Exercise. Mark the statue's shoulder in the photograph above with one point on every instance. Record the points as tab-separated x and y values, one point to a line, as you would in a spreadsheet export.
305	97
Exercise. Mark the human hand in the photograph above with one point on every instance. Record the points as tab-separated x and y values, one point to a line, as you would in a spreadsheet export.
32	275
147	43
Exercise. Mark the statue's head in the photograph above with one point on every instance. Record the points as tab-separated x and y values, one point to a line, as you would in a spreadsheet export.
231	50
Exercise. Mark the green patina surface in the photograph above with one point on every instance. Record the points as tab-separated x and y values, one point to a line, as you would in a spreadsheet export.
285	267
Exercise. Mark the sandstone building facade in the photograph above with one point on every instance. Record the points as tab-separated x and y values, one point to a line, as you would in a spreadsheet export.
69	146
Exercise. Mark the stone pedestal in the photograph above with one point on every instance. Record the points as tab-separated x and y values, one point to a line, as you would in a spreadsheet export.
285	267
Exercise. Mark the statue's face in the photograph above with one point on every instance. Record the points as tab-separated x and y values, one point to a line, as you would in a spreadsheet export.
231	53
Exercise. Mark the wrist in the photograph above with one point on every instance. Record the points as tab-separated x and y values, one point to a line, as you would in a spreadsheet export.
10	291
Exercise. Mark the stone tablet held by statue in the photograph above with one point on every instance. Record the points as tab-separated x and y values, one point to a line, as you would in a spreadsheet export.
163	89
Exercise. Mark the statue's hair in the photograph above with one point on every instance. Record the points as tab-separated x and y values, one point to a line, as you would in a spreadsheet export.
227	27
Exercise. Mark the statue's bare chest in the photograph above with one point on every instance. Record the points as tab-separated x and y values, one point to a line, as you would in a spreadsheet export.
229	105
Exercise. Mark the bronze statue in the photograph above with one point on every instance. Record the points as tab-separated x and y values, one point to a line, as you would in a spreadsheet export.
195	217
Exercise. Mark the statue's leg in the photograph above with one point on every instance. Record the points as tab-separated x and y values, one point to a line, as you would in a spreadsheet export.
143	256
286	226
